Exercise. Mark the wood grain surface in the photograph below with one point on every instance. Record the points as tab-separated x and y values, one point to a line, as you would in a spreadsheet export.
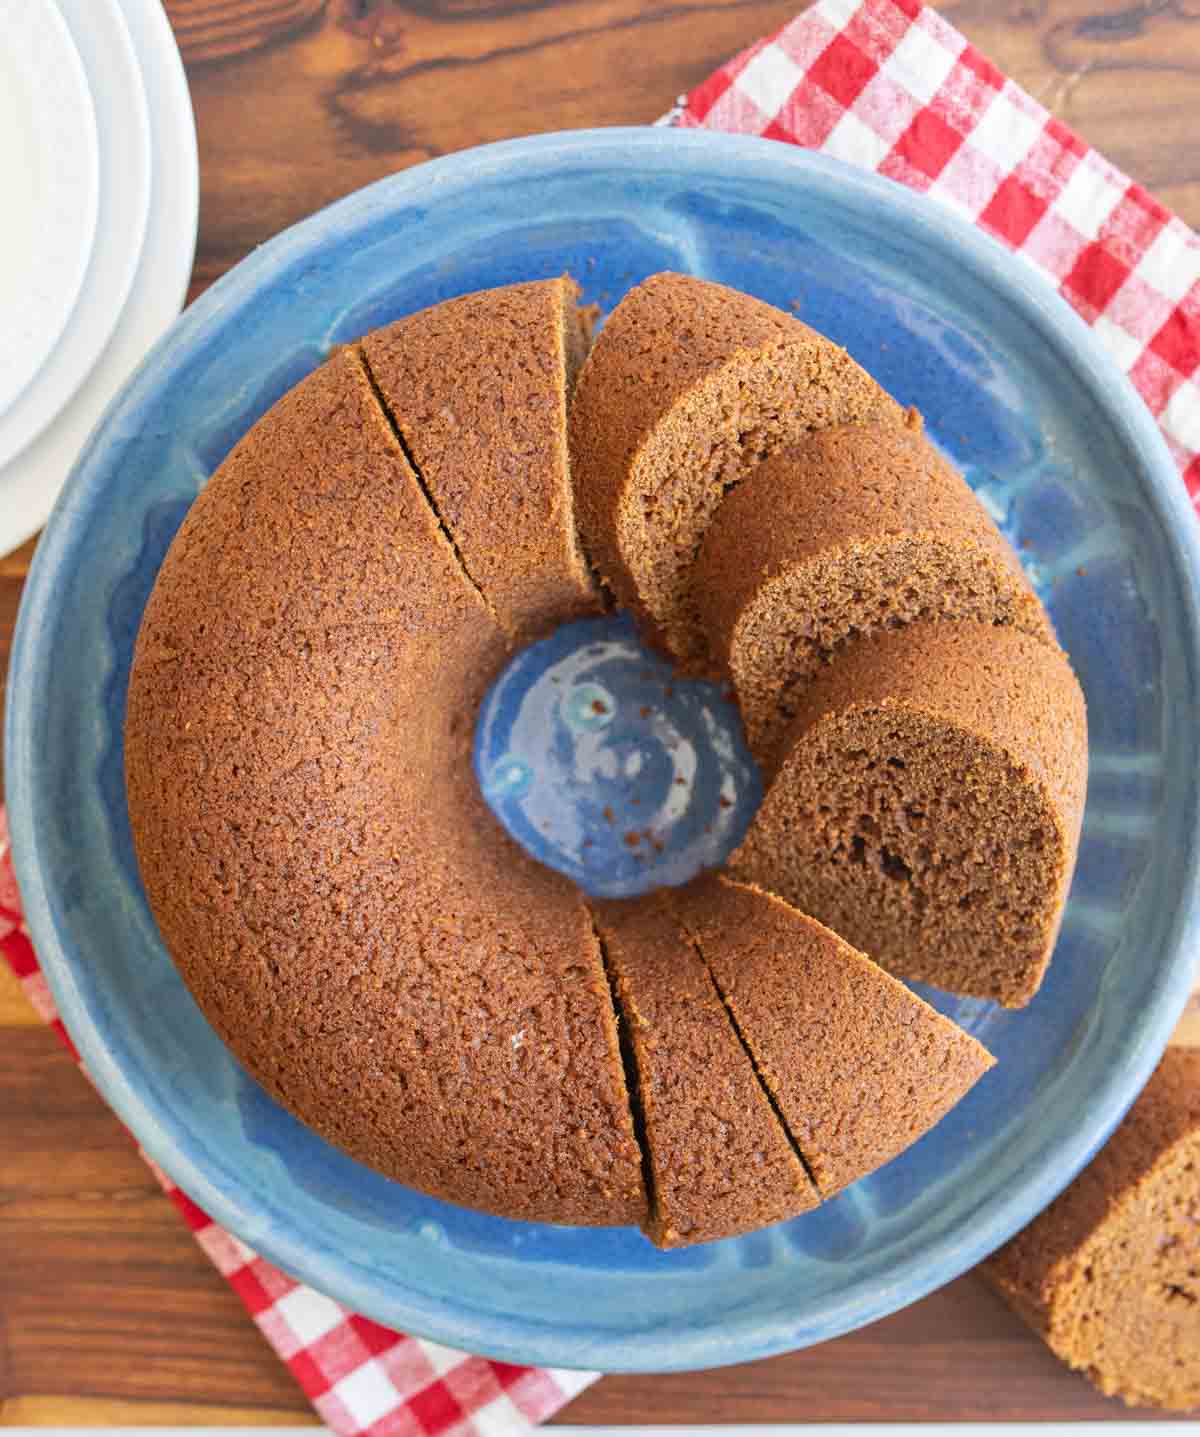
108	1312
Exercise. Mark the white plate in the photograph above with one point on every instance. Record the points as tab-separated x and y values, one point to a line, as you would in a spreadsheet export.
49	175
30	484
123	130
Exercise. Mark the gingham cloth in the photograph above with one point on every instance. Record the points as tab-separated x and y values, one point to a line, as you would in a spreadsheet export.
365	1380
890	86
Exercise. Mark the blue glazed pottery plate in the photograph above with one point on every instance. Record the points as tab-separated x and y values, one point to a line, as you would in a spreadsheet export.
1012	386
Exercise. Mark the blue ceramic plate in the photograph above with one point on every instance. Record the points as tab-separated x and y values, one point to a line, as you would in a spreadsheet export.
1015	389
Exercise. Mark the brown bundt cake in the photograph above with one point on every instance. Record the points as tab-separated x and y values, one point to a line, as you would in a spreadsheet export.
405	978
315	849
720	1162
477	389
928	802
688	386
859	528
858	1066
1109	1274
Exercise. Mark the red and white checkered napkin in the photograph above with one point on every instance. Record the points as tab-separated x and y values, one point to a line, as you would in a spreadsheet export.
365	1380
890	86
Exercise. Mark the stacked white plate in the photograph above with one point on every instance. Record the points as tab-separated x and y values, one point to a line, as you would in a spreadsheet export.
100	182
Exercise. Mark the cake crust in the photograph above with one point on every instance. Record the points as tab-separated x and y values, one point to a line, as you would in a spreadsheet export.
477	388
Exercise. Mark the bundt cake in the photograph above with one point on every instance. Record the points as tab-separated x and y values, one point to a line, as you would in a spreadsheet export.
928	802
860	528
1109	1274
858	1066
688	386
405	978
720	1161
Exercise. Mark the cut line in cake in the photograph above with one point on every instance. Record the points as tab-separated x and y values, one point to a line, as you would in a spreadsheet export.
477	388
858	1067
719	1163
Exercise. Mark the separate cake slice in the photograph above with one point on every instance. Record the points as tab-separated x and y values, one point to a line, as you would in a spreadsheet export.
928	803
477	388
323	868
1109	1274
858	1066
860	528
720	1161
688	386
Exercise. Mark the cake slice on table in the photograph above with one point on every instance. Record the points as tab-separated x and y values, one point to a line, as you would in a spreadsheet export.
477	388
719	1162
859	528
1109	1275
688	386
927	804
858	1067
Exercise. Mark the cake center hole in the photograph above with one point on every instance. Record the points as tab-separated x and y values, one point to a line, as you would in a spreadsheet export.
604	764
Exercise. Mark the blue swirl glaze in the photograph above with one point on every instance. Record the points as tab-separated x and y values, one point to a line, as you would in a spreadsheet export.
605	765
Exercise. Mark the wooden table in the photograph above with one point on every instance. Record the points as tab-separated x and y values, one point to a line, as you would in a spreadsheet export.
108	1313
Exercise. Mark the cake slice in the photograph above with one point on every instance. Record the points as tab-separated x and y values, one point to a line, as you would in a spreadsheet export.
1109	1275
928	802
857	529
857	1065
688	386
477	389
719	1161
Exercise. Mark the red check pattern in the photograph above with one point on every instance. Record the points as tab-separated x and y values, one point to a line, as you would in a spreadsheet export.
364	1380
890	86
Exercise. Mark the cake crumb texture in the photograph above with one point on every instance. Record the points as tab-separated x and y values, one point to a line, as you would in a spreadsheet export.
928	805
687	387
1109	1274
859	528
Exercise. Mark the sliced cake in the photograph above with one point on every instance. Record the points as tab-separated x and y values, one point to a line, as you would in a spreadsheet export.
720	1161
688	386
857	529
857	1065
313	843
928	802
477	388
1109	1274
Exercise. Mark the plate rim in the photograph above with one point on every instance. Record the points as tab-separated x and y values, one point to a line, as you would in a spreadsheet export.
123	131
531	1340
31	482
43	26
